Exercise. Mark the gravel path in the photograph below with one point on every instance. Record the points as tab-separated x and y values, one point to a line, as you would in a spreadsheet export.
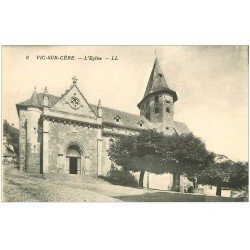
20	187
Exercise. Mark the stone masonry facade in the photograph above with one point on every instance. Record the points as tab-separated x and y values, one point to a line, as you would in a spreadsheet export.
68	135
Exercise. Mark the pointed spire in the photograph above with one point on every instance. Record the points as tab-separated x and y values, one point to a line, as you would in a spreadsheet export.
99	103
45	92
45	97
157	81
99	109
34	98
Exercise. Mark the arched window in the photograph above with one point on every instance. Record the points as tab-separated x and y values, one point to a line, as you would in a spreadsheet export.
157	110
167	110
117	118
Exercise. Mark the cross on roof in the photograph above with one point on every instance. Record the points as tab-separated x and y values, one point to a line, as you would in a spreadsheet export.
74	79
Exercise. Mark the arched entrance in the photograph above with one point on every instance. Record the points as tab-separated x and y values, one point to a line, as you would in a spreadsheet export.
73	158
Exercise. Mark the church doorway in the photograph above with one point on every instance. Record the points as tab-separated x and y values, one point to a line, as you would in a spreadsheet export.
73	160
72	165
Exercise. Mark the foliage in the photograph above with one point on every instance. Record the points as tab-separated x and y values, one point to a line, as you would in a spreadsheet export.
190	154
240	193
157	153
12	135
239	176
226	174
139	152
216	174
176	154
121	177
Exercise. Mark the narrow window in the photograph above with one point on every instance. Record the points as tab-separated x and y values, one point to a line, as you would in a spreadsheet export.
168	110
167	128
156	110
156	98
148	116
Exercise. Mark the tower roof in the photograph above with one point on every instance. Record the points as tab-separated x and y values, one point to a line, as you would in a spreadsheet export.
34	99
157	82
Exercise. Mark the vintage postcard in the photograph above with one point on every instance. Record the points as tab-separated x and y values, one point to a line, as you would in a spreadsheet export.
124	123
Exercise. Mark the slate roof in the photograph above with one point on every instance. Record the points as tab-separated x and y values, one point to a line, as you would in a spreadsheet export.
157	82
29	102
127	120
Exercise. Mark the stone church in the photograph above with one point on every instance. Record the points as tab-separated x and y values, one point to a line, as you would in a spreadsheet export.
66	134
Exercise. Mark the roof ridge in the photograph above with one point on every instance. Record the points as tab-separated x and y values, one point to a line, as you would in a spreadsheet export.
41	93
118	110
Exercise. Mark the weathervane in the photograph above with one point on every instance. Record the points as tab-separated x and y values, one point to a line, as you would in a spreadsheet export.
74	79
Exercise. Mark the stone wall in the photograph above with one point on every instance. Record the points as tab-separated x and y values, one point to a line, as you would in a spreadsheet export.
163	119
61	134
106	162
34	140
22	139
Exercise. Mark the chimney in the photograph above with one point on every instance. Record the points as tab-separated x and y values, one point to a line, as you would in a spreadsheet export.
99	109
45	97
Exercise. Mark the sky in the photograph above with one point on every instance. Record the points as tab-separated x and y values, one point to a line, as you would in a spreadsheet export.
211	83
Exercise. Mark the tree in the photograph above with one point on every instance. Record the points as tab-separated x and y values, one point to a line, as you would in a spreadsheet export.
239	176
12	135
217	174
191	157
157	153
142	152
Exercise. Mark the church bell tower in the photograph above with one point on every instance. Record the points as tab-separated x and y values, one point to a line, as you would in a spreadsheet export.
157	105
